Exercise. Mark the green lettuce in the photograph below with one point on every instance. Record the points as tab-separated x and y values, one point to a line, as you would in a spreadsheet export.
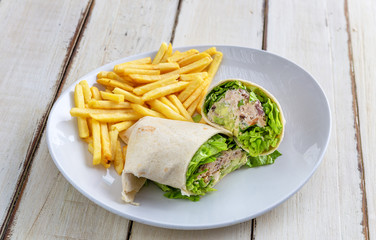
262	160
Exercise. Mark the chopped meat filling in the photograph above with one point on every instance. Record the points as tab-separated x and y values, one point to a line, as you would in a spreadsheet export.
237	111
223	161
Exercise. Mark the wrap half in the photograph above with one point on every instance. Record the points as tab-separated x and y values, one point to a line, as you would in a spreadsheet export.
184	159
249	112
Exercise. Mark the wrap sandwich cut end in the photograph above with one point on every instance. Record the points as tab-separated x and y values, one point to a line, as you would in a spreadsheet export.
249	112
161	150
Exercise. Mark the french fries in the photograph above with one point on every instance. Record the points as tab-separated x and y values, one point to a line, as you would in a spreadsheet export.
171	85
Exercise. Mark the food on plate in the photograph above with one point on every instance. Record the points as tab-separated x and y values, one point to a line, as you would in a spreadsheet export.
184	159
247	111
142	87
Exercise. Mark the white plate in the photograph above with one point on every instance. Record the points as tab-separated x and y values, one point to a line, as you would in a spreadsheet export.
242	195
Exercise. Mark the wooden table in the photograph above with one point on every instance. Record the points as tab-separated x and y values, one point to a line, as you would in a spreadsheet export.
47	45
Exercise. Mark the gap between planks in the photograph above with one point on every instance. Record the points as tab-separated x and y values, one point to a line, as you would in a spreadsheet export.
364	222
34	144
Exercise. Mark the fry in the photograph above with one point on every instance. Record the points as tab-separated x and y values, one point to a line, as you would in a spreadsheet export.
213	68
110	75
167	54
108	104
195	95
113	139
105	142
211	51
83	129
97	148
163	67
163	91
146	60
192	58
191	109
193	76
148	87
115	117
174	99
127	71
168	103
129	96
165	110
144	111
86	90
112	97
118	159
158	57
85	112
180	55
152	78
190	89
202	63
121	126
114	84
95	93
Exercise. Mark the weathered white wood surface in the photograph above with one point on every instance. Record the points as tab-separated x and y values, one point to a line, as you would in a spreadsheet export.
313	34
363	38
212	22
50	207
37	38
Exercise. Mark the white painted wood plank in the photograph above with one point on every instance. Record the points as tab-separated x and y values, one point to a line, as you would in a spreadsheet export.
213	22
329	206
362	27
36	41
50	207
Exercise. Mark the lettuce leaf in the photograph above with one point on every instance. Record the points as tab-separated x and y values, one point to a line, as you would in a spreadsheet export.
262	160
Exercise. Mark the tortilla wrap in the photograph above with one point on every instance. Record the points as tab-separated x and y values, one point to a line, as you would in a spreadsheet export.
252	86
161	150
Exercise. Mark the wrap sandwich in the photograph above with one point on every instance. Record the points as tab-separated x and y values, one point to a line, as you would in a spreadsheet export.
184	159
249	112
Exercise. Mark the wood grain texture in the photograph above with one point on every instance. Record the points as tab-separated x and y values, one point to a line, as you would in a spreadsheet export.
212	22
36	43
362	21
50	207
329	206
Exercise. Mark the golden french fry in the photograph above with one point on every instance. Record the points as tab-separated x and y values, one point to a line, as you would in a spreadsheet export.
83	129
158	57
113	139
163	91
97	148
191	109
179	56
144	111
193	76
211	51
127	71
86	90
165	110
162	67
148	87
213	68
202	63
85	112
129	96
110	75
108	104
95	93
122	126
146	60
167	54
112	97
138	78
195	95
105	142
168	103
192	58
115	84
118	159
115	117
174	99
193	85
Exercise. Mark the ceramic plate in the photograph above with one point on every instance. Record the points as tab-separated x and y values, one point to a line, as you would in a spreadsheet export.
243	194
